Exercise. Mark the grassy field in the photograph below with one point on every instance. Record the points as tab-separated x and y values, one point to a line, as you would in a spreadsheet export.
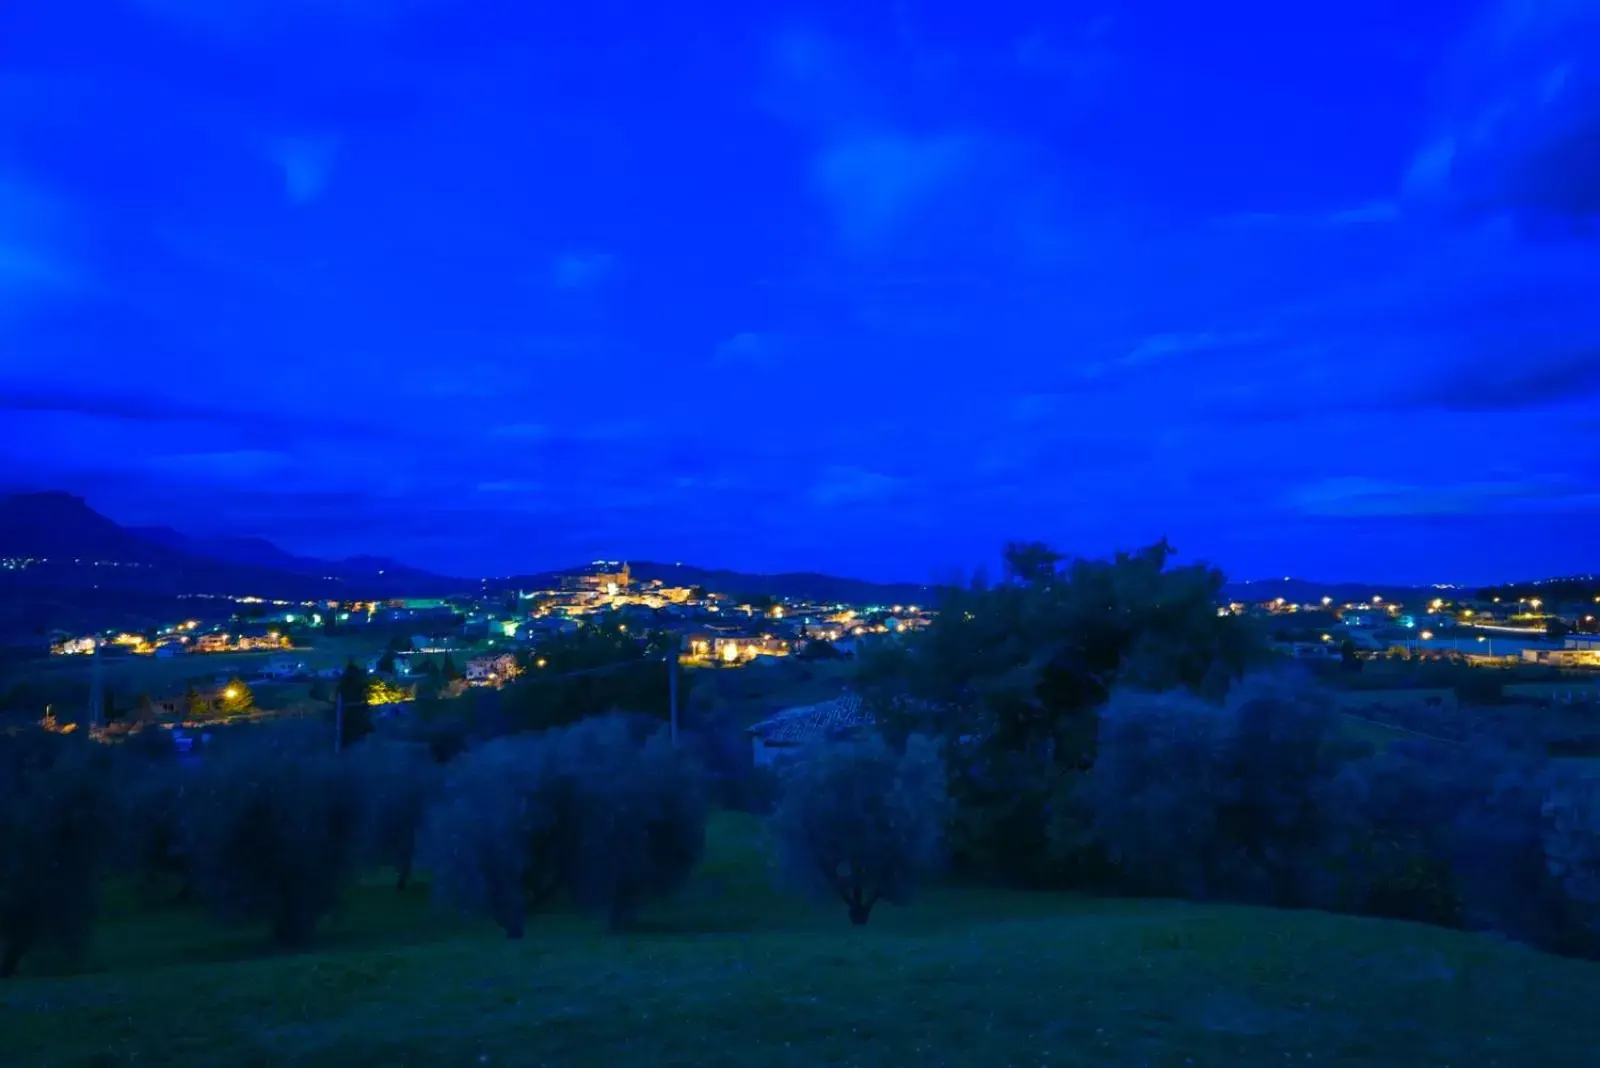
734	974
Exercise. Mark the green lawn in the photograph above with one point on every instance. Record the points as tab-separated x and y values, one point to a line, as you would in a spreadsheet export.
736	975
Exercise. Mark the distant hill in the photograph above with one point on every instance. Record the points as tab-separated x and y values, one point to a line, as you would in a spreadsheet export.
1302	591
259	552
61	526
806	586
75	547
249	552
84	550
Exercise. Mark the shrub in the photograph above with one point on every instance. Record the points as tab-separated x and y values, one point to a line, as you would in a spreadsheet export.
397	781
1571	838
276	836
53	805
1497	852
1288	746
1390	822
860	822
150	743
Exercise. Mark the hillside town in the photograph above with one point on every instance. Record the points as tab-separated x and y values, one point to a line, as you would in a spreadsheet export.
286	655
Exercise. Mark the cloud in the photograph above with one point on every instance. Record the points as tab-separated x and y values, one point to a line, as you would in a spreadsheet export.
1521	133
523	431
747	350
225	466
845	485
34	259
241	20
509	485
1084	56
1378	211
876	184
1160	347
1518	381
580	270
306	164
1357	496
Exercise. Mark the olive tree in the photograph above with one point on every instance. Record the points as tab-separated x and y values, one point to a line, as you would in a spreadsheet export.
860	822
154	828
496	841
397	781
1011	677
53	812
276	834
594	810
1200	799
1571	814
640	808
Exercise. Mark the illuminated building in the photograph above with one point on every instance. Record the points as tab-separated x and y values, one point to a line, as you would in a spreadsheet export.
603	576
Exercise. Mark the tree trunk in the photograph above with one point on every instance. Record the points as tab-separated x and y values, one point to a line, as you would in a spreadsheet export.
403	879
511	916
859	914
16	946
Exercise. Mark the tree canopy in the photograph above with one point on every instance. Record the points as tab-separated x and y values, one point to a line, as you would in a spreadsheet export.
1010	676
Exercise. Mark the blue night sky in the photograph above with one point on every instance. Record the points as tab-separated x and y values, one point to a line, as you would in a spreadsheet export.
867	287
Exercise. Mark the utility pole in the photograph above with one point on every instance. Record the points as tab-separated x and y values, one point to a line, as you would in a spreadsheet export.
672	686
97	697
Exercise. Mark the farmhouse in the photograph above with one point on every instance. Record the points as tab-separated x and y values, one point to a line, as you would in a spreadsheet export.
792	729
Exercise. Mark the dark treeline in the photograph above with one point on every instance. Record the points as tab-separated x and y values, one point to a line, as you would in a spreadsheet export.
1092	725
1575	590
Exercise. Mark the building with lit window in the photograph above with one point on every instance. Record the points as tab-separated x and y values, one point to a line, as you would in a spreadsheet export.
606	577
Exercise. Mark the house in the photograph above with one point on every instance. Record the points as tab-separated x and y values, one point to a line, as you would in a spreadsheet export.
1307	650
1577	651
211	643
491	668
176	706
786	733
283	667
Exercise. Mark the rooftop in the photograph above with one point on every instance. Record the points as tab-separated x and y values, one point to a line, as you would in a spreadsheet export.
812	722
